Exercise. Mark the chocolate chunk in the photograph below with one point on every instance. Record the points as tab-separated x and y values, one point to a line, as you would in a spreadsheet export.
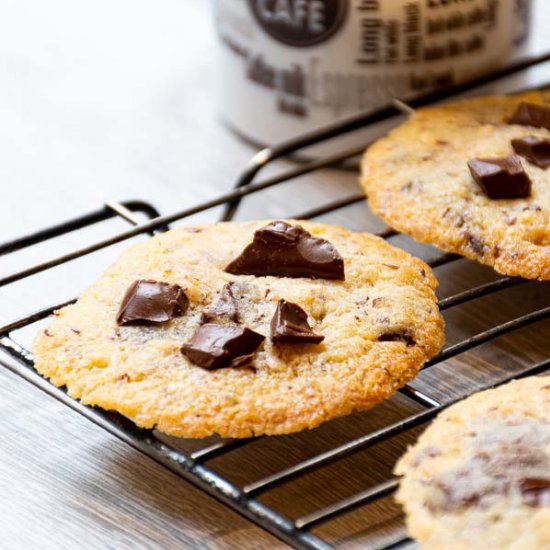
214	346
287	250
536	150
402	336
289	325
536	492
151	301
501	178
508	457
531	114
475	243
226	307
423	454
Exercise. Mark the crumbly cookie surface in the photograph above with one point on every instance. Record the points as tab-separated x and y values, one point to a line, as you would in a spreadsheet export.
141	372
417	180
479	476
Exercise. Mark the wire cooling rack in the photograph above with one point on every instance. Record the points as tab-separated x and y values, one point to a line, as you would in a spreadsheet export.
196	466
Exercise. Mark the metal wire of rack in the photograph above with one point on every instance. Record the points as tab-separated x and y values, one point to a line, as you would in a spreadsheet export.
193	465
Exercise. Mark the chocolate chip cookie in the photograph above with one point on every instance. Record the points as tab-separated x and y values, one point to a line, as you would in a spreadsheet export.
471	177
242	329
479	476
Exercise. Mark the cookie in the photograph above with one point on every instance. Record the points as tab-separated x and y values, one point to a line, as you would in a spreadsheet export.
479	476
246	354
418	179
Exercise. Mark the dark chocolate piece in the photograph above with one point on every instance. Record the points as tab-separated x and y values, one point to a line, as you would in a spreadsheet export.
214	346
509	457
536	150
397	336
423	454
152	302
286	250
289	325
536	492
475	243
226	307
531	114
501	178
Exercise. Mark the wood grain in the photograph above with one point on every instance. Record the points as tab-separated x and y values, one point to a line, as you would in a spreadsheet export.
64	482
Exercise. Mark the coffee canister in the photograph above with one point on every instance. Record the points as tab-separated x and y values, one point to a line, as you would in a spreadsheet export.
289	66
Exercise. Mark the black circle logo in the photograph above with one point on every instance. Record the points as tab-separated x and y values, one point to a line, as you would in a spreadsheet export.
300	23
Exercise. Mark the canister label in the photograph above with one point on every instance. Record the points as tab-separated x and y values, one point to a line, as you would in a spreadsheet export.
288	66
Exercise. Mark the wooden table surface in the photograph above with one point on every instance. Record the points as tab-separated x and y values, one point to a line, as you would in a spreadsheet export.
114	101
